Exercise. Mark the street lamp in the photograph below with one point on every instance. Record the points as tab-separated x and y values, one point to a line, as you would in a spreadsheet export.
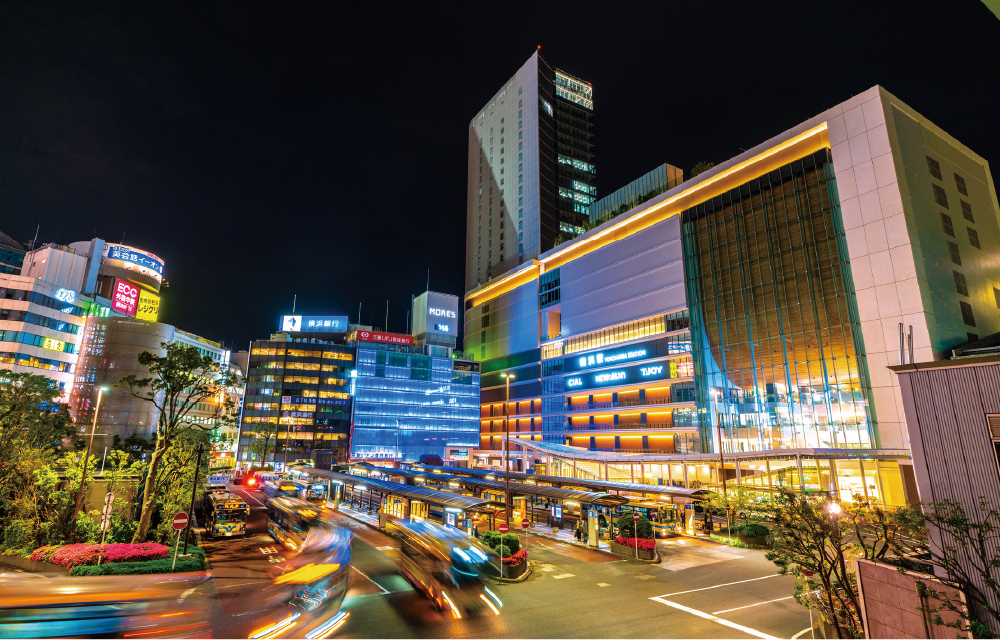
506	448
86	458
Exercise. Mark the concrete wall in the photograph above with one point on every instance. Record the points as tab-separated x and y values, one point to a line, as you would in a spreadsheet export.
891	606
513	324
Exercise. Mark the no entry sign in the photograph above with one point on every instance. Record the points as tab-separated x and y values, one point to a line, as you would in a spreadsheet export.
502	527
635	517
180	521
525	523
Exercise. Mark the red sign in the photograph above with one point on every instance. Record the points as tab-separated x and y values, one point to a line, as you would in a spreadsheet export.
502	527
635	517
180	521
525	523
375	336
125	298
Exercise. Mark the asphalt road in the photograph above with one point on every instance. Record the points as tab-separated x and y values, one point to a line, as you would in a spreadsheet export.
699	591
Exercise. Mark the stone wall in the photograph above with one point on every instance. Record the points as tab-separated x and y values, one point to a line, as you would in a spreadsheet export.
891	606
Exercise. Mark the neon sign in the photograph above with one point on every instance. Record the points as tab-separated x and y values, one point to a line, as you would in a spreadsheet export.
574	382
443	313
65	295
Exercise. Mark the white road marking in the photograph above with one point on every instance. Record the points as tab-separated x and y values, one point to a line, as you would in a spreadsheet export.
247	494
385	548
384	590
267	550
565	575
643	577
708	616
801	633
274	559
261	583
603	584
756	604
677	593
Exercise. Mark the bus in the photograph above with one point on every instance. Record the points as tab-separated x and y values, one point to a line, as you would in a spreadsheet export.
310	491
279	488
665	517
289	520
226	515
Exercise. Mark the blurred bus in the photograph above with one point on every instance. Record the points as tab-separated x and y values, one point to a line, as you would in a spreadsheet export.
226	514
289	520
310	491
279	488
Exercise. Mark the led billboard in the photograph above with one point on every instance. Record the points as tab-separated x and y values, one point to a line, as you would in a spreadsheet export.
125	298
378	336
134	256
149	306
314	323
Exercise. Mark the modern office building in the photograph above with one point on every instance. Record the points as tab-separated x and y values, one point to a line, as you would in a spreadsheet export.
754	309
109	350
361	393
11	254
532	172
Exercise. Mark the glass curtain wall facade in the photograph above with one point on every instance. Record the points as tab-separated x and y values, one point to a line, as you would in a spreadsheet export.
407	404
779	359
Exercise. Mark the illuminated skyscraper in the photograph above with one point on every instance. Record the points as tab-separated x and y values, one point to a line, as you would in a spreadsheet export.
531	169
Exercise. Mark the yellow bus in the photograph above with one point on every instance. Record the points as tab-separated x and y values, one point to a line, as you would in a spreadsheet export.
226	515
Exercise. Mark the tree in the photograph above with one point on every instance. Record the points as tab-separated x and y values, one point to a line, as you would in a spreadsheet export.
627	526
178	382
701	167
265	440
816	540
966	551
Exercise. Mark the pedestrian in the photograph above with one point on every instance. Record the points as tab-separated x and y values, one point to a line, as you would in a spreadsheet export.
579	532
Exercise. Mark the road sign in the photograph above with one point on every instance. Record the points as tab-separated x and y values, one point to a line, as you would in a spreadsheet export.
635	517
105	522
109	497
107	510
525	523
502	527
180	521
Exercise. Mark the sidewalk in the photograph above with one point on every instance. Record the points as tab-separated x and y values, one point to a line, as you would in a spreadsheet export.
565	536
361	516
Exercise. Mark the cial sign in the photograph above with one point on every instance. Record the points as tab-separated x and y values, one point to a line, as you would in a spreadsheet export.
131	254
125	298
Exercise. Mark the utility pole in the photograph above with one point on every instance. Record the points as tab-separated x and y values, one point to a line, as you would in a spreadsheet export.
194	492
508	503
86	459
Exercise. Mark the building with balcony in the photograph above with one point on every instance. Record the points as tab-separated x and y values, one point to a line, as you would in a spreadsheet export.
785	277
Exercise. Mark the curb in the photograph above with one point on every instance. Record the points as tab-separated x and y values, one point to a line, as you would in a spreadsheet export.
201	544
26	564
521	578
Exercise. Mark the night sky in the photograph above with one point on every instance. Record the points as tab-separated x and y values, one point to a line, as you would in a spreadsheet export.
266	150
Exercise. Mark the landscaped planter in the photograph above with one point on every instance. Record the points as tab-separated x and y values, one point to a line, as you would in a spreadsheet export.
752	541
26	564
629	552
510	573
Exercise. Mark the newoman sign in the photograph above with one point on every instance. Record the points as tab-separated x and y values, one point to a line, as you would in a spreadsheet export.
626	375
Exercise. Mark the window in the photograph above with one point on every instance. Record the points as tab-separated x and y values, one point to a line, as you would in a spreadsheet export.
996	294
956	257
940	196
972	336
973	237
946	225
967	211
960	284
934	167
960	183
967	316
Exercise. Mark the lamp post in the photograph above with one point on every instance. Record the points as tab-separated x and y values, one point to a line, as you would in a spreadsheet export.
506	449
86	459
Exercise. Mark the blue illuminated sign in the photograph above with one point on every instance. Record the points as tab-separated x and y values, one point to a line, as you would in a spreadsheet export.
610	357
314	323
627	375
133	255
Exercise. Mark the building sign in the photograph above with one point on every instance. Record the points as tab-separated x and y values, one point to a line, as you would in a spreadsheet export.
134	256
65	295
314	323
435	313
53	345
627	375
459	454
149	306
376	336
610	357
125	298
96	310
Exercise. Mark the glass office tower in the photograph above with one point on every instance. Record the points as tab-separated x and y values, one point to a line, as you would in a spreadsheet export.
779	358
407	404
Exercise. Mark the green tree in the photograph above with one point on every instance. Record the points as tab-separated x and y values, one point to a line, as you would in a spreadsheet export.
264	440
178	471
179	380
701	167
627	526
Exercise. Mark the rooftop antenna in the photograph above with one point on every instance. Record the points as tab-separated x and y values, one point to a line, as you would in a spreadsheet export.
36	238
428	280
295	298
359	313
407	322
386	315
123	237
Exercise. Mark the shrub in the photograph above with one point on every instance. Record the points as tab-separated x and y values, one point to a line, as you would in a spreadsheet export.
627	526
504	551
184	565
752	530
511	541
491	538
74	555
44	554
646	544
20	534
516	559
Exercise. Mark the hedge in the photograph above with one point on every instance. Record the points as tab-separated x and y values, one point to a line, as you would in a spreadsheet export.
644	544
184	565
73	555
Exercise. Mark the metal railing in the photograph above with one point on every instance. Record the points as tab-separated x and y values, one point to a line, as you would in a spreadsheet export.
598	406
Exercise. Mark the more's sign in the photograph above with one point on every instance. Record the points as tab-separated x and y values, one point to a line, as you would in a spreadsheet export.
125	297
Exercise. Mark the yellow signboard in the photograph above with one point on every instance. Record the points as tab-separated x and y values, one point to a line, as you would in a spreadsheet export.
149	306
54	345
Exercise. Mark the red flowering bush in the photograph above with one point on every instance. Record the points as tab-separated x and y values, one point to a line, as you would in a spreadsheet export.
517	558
44	554
74	555
644	544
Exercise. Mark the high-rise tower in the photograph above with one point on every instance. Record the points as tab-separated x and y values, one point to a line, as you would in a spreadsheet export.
531	169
